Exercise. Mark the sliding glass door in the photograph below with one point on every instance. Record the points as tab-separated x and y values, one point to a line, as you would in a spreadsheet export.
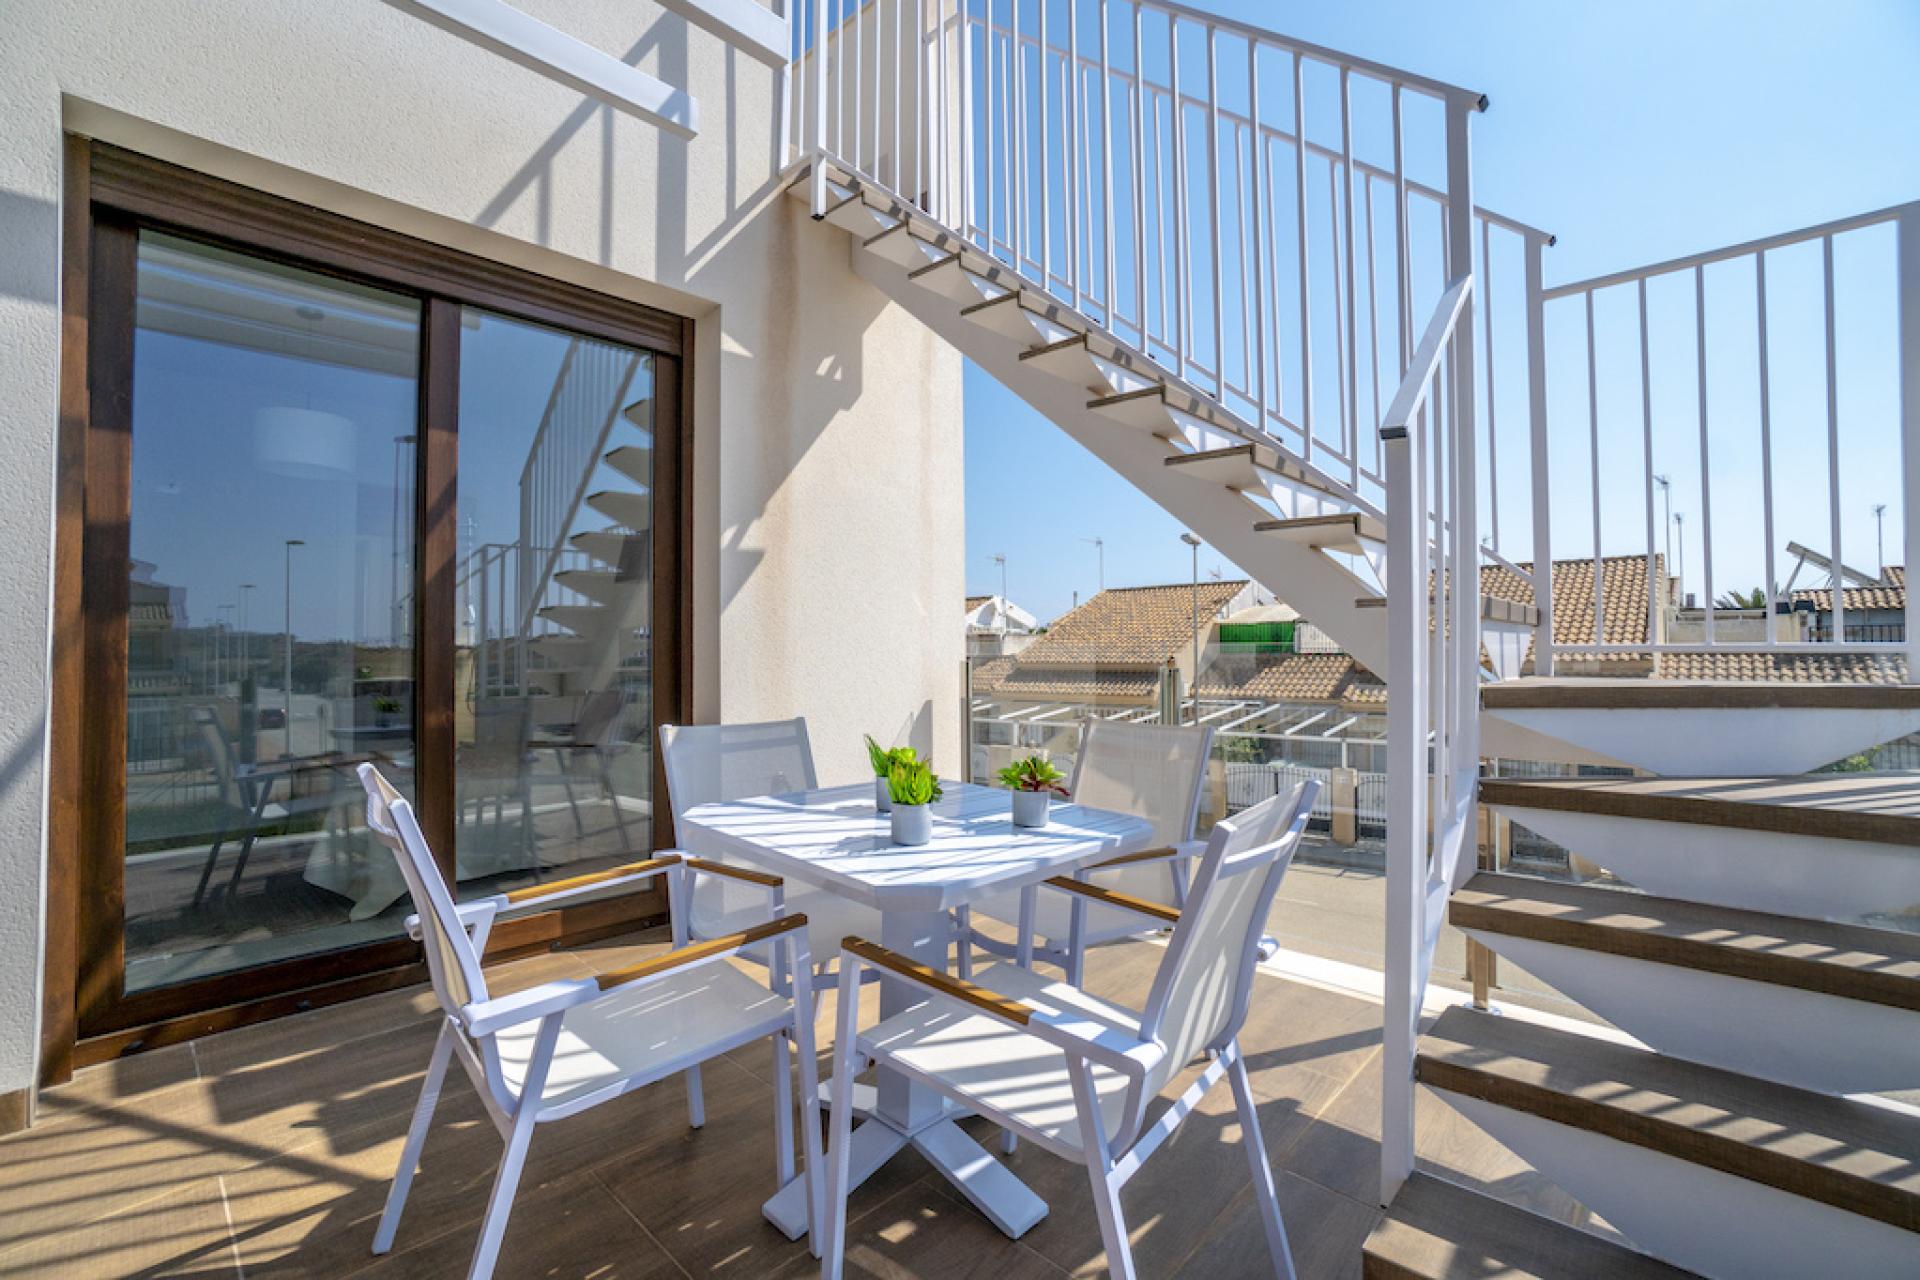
270	635
345	498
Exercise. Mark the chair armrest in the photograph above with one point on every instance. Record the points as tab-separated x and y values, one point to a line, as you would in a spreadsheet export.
1080	1036
700	952
485	1017
702	866
1165	853
548	895
1124	901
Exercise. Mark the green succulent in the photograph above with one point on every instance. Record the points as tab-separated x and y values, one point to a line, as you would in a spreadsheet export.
883	760
912	782
1035	773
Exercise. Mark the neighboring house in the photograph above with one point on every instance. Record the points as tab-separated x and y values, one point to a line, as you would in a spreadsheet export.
1877	612
997	627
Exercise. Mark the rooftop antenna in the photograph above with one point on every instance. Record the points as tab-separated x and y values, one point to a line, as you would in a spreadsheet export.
1100	547
1879	537
1001	560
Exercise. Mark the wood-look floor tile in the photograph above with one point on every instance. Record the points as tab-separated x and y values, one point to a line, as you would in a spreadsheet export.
923	1233
180	1233
1325	1231
573	1228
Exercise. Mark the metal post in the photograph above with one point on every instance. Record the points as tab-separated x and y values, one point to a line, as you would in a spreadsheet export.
1542	484
1907	274
287	671
1194	543
1465	446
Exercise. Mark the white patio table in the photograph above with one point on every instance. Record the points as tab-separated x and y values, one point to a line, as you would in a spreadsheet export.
832	838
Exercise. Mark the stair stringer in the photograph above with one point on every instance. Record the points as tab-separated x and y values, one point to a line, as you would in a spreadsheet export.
1309	581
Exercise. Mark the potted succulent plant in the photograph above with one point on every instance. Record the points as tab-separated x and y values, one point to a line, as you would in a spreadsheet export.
1034	782
912	787
883	761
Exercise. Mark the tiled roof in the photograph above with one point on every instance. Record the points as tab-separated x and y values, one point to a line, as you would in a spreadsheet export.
1013	678
1891	594
1291	677
1623	598
974	602
1129	626
1802	668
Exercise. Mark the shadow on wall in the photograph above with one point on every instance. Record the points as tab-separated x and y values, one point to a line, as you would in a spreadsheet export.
29	221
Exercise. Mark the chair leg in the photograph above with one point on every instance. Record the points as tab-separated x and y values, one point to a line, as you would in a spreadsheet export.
783	1170
1076	962
846	1060
807	1064
416	1139
213	856
1264	1191
613	798
963	935
500	1204
1106	1188
696	1100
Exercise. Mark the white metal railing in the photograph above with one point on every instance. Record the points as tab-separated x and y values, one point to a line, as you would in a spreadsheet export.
588	395
1433	671
1822	431
1146	164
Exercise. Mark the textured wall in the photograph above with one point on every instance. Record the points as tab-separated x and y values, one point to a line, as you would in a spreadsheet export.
828	495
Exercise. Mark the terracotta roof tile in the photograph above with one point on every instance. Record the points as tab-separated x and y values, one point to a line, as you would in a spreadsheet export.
1011	678
1623	597
1129	626
1803	668
1891	594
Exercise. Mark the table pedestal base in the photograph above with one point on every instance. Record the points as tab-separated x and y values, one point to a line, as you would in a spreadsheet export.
987	1184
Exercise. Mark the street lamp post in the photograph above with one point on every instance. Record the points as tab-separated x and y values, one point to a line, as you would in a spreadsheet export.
1001	560
1680	523
1100	549
1880	537
1194	544
1666	499
245	665
287	673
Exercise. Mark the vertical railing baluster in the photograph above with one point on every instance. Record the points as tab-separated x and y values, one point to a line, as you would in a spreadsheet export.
1046	159
1343	421
1183	304
1486	310
918	196
1907	288
819	78
1466	575
1373	327
965	36
1110	290
1071	176
899	95
1306	306
1346	209
1706	455
1017	145
1543	642
987	167
1766	438
1216	189
859	72
1257	228
1656	583
1839	578
1593	448
1139	181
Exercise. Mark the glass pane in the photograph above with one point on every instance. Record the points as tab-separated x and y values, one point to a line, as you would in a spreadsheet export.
270	640
553	708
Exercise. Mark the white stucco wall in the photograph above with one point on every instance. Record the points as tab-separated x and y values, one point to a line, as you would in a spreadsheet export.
828	505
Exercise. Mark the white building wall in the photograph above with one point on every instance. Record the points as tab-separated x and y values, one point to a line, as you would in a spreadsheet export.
828	508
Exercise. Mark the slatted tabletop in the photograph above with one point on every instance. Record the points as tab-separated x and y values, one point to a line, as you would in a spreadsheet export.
834	838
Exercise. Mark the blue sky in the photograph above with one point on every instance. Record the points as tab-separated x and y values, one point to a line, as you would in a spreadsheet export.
1634	132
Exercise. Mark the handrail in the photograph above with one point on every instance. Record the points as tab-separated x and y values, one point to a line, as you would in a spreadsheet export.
1425	365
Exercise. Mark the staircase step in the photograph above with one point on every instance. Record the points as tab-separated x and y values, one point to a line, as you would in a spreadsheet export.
1493	611
586	620
903	247
1438	1230
634	461
1352	532
633	510
1100	373
963	280
611	547
1878	966
640	414
1882	808
1165	412
601	585
1024	318
1857	1157
1637	694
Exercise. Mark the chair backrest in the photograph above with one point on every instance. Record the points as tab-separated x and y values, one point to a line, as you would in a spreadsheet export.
1151	771
219	748
709	762
451	960
598	719
1199	997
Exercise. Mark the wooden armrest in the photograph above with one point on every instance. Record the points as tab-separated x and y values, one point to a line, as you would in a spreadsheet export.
735	873
651	866
1125	901
1146	855
681	956
979	997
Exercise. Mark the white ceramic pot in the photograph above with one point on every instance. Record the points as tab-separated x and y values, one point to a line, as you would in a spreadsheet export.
1030	808
882	798
912	823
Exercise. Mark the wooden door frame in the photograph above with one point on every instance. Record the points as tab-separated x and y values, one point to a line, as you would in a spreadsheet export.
110	194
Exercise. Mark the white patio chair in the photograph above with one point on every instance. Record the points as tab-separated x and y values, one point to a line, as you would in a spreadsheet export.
1075	1074
564	1047
712	762
1156	772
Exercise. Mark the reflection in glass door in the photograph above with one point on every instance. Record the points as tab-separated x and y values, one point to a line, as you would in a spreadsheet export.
270	642
552	683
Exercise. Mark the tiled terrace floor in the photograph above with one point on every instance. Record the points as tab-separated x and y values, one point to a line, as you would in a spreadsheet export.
266	1152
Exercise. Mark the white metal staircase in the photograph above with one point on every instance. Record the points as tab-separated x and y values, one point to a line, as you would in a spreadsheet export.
1282	343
